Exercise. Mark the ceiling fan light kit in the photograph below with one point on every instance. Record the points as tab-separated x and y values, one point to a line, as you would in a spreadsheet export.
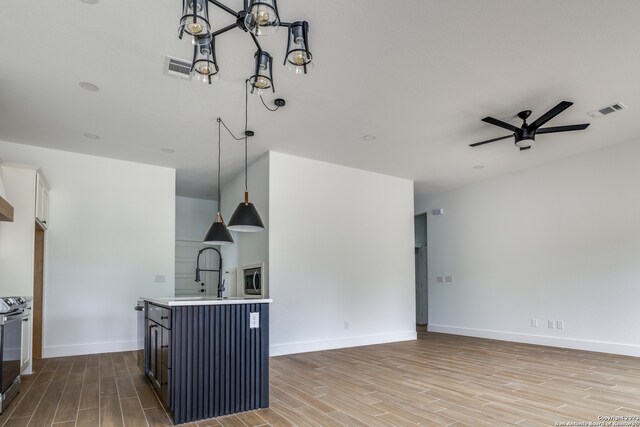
525	136
258	18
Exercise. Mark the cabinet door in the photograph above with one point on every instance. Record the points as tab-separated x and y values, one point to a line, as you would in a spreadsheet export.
25	351
155	341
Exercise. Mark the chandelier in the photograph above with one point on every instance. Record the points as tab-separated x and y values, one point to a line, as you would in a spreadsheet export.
258	18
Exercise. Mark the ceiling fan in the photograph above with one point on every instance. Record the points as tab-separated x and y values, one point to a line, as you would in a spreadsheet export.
525	135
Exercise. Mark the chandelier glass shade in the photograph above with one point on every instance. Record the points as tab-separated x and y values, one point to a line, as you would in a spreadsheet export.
257	18
195	18
298	59
204	63
262	17
262	79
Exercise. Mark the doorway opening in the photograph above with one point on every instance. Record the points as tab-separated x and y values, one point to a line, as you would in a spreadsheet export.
422	294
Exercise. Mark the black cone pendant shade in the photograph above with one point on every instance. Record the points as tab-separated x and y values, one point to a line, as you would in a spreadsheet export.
218	233
246	217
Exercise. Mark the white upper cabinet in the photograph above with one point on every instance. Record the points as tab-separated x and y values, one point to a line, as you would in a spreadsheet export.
42	201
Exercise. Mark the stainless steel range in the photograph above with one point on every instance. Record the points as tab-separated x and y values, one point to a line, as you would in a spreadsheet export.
12	313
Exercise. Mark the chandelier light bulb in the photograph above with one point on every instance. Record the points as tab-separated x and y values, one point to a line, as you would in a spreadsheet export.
262	83
194	27
262	16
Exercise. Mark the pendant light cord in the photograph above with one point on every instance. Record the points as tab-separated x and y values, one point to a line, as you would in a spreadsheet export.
246	127
219	155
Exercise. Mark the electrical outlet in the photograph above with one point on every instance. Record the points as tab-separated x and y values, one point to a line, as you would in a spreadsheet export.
160	278
448	279
254	320
550	324
346	325
559	324
534	323
440	279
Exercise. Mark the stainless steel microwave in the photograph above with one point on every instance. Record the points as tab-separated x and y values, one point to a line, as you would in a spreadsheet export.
253	281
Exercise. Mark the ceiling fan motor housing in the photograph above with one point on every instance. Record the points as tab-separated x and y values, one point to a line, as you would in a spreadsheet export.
525	138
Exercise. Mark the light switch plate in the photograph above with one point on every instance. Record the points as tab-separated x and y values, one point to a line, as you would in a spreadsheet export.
160	278
254	320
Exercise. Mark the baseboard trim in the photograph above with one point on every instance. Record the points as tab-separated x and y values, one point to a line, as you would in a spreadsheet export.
80	349
308	346
577	344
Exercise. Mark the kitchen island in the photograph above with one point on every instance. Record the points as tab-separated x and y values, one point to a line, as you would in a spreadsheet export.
206	356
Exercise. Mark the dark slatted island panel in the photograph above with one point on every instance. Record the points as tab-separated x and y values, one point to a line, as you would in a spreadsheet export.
219	365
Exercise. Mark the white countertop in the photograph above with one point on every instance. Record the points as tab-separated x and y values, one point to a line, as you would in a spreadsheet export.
182	301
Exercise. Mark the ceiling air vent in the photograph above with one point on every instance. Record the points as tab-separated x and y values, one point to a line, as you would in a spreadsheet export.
607	110
176	67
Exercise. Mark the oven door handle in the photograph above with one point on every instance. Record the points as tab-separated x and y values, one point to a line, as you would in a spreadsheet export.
255	273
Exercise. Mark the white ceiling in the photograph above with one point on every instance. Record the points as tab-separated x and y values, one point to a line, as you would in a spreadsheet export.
417	74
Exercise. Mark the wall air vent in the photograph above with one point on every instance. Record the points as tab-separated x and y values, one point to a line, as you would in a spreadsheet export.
176	67
607	110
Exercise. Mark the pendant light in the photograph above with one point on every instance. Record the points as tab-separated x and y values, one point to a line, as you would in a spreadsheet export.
218	234
262	17
298	58
246	217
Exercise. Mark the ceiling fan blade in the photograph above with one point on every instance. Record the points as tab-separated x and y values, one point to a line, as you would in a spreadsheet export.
500	123
567	128
525	148
489	140
549	115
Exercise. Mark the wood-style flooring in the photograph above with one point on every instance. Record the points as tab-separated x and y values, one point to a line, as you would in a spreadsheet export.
436	380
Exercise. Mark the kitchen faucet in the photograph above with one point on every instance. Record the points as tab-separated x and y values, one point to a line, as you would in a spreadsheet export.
219	271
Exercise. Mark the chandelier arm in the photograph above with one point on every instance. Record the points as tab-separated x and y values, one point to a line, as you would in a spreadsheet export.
255	40
224	30
285	24
225	8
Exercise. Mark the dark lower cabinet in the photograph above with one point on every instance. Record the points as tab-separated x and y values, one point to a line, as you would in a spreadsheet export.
206	361
158	339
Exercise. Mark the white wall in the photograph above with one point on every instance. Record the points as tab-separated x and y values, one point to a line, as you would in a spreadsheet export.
249	248
194	217
112	229
341	251
558	242
17	237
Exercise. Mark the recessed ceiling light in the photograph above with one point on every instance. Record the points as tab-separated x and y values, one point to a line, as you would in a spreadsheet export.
89	1
91	136
369	137
90	87
478	167
168	150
